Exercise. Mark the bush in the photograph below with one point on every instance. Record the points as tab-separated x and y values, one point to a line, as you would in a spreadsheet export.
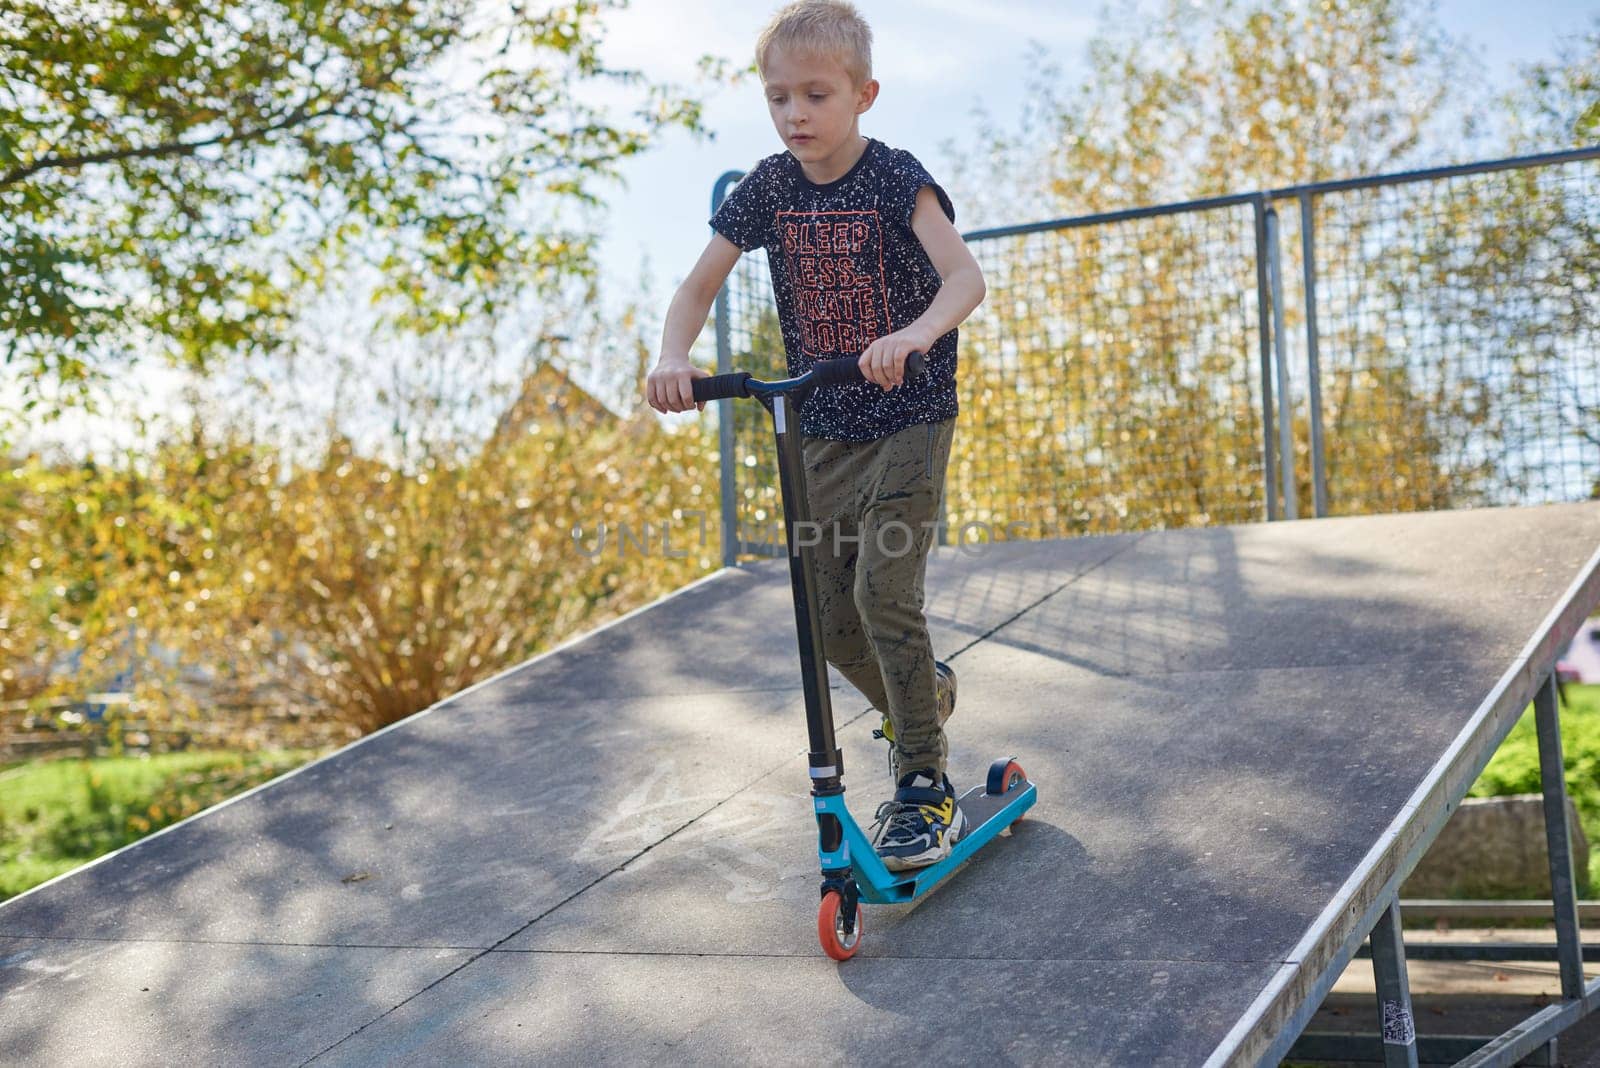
1514	769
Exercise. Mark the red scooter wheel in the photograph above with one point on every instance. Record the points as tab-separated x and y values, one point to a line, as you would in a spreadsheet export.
836	943
1005	776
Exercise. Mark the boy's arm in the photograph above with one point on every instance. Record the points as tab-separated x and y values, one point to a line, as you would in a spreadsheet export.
670	387
884	361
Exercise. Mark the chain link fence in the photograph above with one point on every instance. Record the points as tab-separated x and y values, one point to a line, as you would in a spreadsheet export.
1456	334
1429	340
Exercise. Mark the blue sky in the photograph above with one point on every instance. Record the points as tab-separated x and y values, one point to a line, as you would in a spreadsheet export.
937	59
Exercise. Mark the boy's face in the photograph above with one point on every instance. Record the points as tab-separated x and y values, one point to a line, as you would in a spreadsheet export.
814	103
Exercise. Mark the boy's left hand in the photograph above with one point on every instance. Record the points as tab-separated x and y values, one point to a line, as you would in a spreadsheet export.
884	361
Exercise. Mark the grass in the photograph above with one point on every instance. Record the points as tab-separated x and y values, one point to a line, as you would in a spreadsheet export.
1514	769
56	815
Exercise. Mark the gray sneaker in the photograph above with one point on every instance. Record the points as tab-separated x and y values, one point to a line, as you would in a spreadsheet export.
920	824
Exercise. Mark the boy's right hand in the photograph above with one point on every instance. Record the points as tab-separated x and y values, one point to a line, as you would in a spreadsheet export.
670	387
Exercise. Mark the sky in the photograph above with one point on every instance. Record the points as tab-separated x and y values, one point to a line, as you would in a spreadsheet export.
937	60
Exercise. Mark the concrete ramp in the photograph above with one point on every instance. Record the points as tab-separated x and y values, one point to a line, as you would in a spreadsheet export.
1243	737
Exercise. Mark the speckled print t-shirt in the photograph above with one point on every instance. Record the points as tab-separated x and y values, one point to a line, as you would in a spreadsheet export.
847	269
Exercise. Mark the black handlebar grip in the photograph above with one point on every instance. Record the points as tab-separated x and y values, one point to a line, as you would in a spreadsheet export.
847	369
720	387
838	372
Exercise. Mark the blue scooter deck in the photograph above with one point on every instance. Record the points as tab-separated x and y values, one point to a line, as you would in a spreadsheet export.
987	815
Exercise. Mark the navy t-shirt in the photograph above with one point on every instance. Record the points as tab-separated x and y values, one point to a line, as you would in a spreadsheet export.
847	269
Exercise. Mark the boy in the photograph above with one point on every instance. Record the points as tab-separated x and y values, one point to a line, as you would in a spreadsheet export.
865	260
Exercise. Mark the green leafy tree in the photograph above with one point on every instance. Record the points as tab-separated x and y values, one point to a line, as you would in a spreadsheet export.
350	539
175	177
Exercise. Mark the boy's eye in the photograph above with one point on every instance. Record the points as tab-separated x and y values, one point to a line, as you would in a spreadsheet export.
819	96
777	99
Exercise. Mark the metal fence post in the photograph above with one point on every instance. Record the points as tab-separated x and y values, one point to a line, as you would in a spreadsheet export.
1394	990
1263	328
1291	503
1558	839
725	415
1308	251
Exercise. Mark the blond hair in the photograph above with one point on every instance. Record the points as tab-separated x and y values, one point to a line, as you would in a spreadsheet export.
820	27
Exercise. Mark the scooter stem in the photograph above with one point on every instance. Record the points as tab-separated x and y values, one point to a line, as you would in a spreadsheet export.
826	760
785	400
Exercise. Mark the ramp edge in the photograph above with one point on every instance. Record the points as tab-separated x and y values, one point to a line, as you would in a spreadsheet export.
1269	1027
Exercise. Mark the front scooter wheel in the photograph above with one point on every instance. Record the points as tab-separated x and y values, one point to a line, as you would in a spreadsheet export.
836	942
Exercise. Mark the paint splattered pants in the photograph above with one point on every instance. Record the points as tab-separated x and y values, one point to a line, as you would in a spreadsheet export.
876	508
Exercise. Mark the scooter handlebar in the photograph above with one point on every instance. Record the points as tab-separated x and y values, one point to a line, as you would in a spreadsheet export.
839	372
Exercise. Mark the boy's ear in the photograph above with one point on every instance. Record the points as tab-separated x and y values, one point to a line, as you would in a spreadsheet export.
866	95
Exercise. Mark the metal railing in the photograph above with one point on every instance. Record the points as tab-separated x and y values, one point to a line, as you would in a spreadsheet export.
1534	1037
1394	343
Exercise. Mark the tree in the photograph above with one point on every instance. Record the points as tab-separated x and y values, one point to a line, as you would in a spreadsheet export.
1558	103
383	513
236	583
177	176
1187	101
389	590
1558	106
1115	369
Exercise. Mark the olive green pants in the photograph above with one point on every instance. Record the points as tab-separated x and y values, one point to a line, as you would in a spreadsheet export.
875	510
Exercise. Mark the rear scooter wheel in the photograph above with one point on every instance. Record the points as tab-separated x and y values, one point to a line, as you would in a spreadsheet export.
1005	776
836	942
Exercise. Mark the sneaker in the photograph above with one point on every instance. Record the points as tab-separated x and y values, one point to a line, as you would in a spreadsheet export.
944	689
920	824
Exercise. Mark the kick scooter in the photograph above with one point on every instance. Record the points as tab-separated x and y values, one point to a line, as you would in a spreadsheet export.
852	872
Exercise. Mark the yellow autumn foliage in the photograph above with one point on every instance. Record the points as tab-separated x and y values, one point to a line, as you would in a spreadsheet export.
221	585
